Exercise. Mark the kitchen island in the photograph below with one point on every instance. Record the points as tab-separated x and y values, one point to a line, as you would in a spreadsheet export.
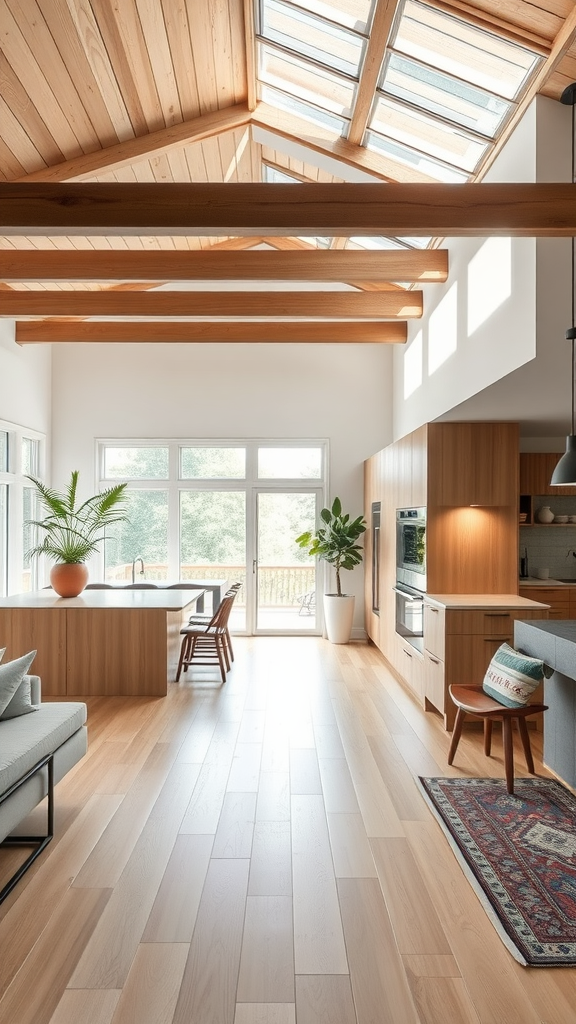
102	643
555	644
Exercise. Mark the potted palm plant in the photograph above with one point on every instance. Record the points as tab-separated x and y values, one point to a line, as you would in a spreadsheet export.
335	542
72	532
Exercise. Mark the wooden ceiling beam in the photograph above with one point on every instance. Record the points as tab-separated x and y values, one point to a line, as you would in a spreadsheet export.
327	305
379	34
144	146
410	265
343	332
476	209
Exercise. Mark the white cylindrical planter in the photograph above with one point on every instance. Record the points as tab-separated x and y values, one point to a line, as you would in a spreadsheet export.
338	617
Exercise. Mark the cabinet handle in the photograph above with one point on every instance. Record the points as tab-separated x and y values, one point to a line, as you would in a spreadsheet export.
430	608
407	653
496	615
496	639
434	661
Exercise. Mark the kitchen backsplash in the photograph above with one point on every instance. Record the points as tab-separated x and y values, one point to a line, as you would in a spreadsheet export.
551	546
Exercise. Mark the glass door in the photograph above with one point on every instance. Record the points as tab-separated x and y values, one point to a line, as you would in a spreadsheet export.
284	575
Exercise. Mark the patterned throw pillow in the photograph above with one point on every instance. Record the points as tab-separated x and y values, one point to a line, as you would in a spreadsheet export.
512	677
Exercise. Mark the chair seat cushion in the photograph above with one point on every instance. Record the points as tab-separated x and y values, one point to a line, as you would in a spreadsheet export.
512	677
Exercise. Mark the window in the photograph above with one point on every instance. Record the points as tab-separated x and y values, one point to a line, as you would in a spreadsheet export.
21	453
202	510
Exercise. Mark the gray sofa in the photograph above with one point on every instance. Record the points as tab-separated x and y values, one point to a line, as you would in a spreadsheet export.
36	751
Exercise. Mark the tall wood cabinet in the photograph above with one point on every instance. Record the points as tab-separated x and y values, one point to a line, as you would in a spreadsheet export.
466	474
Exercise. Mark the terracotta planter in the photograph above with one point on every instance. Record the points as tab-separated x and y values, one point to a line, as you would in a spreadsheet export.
69	579
338	617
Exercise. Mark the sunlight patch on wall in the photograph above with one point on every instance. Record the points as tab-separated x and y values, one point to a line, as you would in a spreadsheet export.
489	280
443	330
413	366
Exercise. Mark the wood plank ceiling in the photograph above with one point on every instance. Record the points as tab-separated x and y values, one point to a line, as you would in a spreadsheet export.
164	91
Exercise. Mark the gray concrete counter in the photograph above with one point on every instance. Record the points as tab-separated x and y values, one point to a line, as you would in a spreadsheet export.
555	643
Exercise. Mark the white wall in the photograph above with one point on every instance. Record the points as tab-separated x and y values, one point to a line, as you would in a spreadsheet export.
225	391
506	340
25	381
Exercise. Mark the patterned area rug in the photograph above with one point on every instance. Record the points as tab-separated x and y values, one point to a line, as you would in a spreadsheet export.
519	853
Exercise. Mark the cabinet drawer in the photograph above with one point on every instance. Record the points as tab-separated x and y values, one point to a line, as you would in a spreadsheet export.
434	629
468	656
412	669
557	597
486	622
434	681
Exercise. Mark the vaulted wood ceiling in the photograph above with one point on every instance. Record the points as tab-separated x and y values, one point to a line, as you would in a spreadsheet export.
160	91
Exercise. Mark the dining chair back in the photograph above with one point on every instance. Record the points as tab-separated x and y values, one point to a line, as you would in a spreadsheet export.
207	644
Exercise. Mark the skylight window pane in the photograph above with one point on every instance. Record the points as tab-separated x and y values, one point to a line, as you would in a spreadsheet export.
409	157
311	37
274	175
463	50
310	113
444	96
306	82
379	242
353	14
428	135
417	243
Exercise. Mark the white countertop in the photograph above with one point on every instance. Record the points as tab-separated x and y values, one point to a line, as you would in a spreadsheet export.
481	601
532	581
168	600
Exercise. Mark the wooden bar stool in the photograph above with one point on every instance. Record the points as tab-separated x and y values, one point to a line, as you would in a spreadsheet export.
471	700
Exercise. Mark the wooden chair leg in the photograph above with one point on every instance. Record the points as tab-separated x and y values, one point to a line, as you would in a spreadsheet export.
508	753
456	734
219	648
525	737
183	647
487	736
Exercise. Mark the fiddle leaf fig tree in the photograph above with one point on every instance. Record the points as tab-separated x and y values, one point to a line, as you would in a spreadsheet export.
335	540
72	532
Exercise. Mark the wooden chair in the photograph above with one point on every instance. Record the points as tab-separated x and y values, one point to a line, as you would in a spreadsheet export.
471	700
141	586
206	644
99	586
200	619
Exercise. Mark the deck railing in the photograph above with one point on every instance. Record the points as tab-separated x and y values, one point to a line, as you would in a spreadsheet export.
280	586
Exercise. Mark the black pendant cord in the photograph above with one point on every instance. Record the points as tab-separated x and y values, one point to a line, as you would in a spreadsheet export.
573	331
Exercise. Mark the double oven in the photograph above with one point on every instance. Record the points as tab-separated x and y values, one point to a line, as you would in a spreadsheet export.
410	574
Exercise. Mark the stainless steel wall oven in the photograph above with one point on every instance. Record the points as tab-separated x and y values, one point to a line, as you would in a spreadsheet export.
410	574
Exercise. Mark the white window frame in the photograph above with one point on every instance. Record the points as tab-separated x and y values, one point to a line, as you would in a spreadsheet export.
250	485
15	480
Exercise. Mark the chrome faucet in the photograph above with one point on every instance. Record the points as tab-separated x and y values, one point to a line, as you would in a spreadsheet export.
134	568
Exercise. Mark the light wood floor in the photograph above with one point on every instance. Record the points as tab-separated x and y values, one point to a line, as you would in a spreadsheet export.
258	853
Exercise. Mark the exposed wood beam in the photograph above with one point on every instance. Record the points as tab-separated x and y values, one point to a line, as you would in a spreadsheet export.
379	34
477	209
320	140
409	265
250	42
490	22
125	153
344	332
562	44
337	305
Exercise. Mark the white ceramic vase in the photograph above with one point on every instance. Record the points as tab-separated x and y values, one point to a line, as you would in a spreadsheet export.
338	617
545	514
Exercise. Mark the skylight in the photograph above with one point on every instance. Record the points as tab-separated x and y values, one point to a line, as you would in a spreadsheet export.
446	89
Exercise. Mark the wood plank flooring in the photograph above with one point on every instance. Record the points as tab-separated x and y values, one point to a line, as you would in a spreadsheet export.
259	853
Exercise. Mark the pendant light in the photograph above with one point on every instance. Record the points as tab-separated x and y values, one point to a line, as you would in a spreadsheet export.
565	471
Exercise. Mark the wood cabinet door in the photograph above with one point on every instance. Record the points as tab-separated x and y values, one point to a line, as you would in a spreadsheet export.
473	464
558	598
434	630
536	470
434	681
